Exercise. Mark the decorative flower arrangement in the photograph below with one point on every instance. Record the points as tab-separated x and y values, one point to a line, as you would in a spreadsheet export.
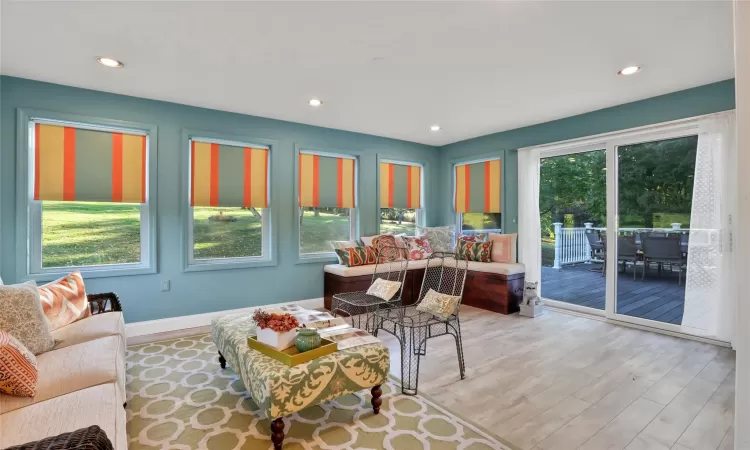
280	323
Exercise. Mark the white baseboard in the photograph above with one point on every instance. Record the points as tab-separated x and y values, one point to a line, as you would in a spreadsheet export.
202	320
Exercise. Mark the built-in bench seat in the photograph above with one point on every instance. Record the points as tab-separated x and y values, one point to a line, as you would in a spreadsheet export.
492	286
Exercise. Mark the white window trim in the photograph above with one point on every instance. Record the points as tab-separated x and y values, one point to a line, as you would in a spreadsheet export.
304	258
33	208
193	264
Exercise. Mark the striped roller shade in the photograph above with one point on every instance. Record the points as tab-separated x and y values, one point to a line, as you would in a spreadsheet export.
74	164
478	187
400	186
228	175
326	181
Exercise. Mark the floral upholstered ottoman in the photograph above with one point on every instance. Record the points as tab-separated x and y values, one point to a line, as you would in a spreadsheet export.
281	390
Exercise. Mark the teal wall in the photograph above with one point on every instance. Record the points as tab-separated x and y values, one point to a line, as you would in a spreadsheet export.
706	99
200	292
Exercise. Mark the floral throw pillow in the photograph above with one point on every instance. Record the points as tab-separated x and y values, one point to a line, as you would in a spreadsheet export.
18	369
418	247
387	248
357	256
474	251
478	237
384	289
440	305
441	238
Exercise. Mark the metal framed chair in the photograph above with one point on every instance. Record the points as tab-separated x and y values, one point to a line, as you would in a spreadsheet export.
358	304
446	275
627	252
665	250
597	249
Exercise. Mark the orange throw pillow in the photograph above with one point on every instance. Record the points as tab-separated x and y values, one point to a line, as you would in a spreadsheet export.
64	301
504	247
18	371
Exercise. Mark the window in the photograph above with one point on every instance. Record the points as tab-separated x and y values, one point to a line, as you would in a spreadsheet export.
477	187
327	192
400	197
88	198
229	204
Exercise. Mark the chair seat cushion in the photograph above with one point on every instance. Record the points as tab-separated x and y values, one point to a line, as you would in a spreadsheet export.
90	328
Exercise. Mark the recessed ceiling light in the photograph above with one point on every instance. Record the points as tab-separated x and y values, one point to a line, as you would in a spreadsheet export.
314	102
434	127
109	62
630	70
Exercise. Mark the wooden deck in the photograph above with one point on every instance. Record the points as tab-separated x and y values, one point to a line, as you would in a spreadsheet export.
658	297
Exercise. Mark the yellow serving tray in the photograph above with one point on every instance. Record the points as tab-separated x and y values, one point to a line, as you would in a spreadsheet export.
291	356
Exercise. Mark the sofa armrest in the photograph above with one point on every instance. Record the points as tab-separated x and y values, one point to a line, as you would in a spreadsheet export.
106	302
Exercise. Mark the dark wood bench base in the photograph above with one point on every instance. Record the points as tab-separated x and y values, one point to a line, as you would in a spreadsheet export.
490	291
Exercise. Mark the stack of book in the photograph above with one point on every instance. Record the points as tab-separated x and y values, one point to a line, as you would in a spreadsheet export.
329	327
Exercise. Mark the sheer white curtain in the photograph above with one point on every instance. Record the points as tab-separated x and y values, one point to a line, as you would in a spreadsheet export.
529	226
710	288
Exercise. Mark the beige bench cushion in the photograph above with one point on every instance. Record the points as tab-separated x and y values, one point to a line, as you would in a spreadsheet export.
74	368
343	271
499	268
90	328
100	405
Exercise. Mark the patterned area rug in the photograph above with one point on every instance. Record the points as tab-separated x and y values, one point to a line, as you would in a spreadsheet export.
179	398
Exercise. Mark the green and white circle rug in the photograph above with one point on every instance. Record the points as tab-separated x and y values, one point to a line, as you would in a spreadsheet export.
179	398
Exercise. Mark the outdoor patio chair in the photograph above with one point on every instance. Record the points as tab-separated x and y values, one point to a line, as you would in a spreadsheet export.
412	327
627	252
664	251
357	304
597	248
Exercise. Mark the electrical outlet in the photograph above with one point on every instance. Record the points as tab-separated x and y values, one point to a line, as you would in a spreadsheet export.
164	285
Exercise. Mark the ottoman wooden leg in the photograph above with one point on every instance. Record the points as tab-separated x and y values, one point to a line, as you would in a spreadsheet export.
376	400
277	433
222	361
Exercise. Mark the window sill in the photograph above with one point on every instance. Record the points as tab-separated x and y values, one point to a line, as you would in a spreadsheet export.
89	273
228	265
319	258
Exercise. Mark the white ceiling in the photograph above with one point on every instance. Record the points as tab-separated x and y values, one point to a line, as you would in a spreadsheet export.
384	68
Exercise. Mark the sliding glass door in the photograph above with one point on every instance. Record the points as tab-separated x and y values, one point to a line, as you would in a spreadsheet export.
637	226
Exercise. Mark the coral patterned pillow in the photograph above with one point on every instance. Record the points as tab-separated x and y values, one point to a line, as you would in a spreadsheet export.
478	237
418	247
387	248
474	251
357	256
64	301
18	370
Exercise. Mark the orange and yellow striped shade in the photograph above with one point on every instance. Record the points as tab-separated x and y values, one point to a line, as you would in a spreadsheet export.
478	187
75	164
228	175
326	181
400	186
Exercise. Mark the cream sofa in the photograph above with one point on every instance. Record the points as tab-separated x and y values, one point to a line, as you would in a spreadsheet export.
81	382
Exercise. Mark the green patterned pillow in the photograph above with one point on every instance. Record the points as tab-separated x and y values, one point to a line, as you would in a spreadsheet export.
474	251
357	256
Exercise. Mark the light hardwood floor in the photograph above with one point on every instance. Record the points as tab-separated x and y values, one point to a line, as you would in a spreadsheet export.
564	382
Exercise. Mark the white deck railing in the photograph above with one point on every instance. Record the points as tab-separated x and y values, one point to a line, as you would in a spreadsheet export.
572	245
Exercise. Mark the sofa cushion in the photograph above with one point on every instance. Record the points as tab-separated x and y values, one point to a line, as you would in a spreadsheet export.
90	328
99	405
499	268
343	271
74	368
